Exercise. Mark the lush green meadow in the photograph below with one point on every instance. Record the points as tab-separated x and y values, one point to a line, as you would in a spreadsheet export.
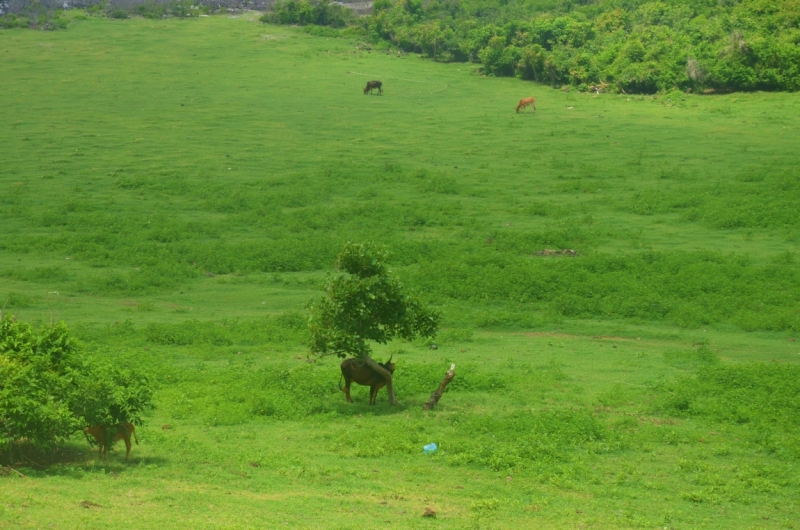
175	190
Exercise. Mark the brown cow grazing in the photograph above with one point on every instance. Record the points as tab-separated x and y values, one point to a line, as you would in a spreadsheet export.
373	84
122	431
525	102
359	371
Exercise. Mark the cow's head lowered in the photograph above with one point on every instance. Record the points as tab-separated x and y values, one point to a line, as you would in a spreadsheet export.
358	371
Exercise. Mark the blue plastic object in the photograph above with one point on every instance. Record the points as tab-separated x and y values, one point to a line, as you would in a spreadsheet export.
430	449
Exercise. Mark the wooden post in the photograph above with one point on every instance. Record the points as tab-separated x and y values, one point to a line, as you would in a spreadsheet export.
451	373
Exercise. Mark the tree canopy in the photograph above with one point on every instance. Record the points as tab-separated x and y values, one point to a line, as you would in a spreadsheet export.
365	303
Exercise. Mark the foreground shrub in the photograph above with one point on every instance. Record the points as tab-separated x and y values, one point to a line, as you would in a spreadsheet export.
48	390
37	391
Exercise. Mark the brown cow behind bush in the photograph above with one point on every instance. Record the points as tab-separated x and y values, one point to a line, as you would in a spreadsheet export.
122	431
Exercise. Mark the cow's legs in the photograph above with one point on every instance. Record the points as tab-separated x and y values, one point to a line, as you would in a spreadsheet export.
373	392
127	439
347	391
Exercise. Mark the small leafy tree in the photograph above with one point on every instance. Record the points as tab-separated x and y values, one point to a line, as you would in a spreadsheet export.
48	390
366	303
113	396
38	372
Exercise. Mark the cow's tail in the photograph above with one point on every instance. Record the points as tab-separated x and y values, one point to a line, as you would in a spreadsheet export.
341	388
133	432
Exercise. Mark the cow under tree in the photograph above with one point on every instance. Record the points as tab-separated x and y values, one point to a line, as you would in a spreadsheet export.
372	85
101	435
357	371
364	303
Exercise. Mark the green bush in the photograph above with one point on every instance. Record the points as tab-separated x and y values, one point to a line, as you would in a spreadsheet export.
176	8
303	13
37	391
33	14
11	21
114	396
48	390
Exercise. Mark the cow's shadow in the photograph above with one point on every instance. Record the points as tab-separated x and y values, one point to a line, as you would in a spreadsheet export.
361	406
70	459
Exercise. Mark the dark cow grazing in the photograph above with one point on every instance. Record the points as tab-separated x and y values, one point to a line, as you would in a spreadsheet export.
373	84
359	371
122	431
525	102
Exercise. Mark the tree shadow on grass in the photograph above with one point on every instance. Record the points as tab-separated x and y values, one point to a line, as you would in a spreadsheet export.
70	459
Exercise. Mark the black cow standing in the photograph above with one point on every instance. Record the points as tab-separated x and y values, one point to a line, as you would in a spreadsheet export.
359	371
373	84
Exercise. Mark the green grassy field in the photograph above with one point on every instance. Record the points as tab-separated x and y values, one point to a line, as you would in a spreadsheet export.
176	190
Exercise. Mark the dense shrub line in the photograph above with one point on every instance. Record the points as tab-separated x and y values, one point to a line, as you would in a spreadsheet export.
303	13
635	46
34	14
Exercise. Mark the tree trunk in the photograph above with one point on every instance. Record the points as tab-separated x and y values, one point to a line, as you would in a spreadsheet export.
437	394
387	375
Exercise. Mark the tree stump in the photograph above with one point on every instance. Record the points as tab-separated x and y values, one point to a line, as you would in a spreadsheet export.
437	394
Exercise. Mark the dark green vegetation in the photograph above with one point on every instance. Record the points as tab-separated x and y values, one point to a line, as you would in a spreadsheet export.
364	303
48	391
34	14
636	46
303	13
176	189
